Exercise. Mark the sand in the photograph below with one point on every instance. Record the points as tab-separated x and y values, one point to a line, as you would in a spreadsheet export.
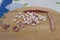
39	32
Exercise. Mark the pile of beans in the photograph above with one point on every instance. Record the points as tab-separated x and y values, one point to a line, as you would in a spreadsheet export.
30	18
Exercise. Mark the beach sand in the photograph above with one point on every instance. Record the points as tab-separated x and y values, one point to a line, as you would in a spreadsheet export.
39	32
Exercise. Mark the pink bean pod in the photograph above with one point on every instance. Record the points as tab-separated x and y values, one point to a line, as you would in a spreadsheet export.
51	21
35	11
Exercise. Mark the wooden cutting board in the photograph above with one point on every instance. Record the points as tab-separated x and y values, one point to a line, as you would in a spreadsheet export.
39	32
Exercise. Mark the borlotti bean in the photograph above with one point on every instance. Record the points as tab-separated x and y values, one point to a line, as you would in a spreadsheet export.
30	18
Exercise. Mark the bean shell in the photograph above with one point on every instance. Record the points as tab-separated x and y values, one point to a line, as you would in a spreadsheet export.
44	19
19	16
14	20
23	25
18	22
16	16
15	29
5	26
20	13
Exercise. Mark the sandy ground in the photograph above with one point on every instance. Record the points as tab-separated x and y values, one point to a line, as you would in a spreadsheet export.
39	32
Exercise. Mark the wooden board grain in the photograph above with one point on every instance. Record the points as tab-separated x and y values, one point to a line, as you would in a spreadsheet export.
39	32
